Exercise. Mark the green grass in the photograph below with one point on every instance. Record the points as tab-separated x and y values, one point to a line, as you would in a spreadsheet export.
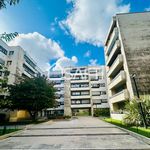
139	130
8	131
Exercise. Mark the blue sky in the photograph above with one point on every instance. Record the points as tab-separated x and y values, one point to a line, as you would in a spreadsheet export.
73	26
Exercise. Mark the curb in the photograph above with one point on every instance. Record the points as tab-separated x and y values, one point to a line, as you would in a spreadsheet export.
136	135
10	134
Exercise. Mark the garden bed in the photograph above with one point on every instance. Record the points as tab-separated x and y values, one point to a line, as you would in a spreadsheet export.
140	130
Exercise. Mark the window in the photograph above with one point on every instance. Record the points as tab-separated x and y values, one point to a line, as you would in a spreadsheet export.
102	84
94	78
75	85
11	52
28	60
104	100
95	85
3	50
0	73
81	101
9	63
75	93
96	93
85	93
103	92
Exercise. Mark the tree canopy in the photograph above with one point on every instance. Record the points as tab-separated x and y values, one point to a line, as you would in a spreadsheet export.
3	3
8	36
33	95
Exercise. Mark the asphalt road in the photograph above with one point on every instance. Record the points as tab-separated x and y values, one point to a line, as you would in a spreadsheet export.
81	133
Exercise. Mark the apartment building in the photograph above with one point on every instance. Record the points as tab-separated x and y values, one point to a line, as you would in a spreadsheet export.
18	62
127	52
20	65
57	79
85	89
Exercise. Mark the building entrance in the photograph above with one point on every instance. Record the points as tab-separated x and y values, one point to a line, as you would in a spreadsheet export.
81	112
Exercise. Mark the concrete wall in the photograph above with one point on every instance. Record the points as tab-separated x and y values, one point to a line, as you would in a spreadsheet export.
135	34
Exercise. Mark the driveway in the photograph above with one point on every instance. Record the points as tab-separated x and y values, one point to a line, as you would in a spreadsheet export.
81	133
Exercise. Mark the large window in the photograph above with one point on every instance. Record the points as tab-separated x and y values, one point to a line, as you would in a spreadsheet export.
3	50
78	93
11	53
9	63
95	85
78	85
102	84
80	101
98	93
28	60
75	93
94	78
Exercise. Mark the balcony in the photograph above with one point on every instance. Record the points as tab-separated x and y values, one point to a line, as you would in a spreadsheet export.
118	80
27	64
113	38
80	97
79	81
121	96
27	74
58	85
116	65
81	106
113	52
80	89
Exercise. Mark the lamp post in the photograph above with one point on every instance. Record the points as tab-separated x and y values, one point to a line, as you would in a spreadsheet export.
139	103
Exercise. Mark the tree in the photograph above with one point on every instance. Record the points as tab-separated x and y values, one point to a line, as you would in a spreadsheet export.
33	95
133	116
3	3
4	102
8	36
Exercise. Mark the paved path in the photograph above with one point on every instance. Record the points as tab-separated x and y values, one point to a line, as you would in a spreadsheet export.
81	133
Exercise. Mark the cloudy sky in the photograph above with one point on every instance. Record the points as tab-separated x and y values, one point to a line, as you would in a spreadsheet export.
65	32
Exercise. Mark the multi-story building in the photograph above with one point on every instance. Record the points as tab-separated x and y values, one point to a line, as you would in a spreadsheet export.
85	89
127	51
18	63
57	79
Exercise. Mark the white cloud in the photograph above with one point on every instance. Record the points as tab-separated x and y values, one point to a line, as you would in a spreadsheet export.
41	49
65	62
87	54
147	9
89	20
93	62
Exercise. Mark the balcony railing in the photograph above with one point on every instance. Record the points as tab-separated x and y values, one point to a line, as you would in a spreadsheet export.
120	96
116	65
120	78
113	38
114	49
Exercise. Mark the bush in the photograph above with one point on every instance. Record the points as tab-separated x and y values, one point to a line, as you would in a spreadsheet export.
101	112
3	117
133	116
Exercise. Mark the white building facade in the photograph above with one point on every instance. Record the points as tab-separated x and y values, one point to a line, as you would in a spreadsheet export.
57	79
87	88
127	52
18	62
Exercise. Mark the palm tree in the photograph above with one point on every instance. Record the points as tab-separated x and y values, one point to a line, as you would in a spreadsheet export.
8	36
133	116
3	3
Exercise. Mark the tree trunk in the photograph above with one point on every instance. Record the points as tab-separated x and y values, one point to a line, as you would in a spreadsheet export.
33	115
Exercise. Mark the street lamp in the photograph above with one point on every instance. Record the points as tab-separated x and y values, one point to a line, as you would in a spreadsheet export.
139	103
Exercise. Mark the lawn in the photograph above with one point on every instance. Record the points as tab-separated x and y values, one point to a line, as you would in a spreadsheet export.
7	131
139	130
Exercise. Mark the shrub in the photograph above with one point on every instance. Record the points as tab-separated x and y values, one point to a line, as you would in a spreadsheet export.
101	112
